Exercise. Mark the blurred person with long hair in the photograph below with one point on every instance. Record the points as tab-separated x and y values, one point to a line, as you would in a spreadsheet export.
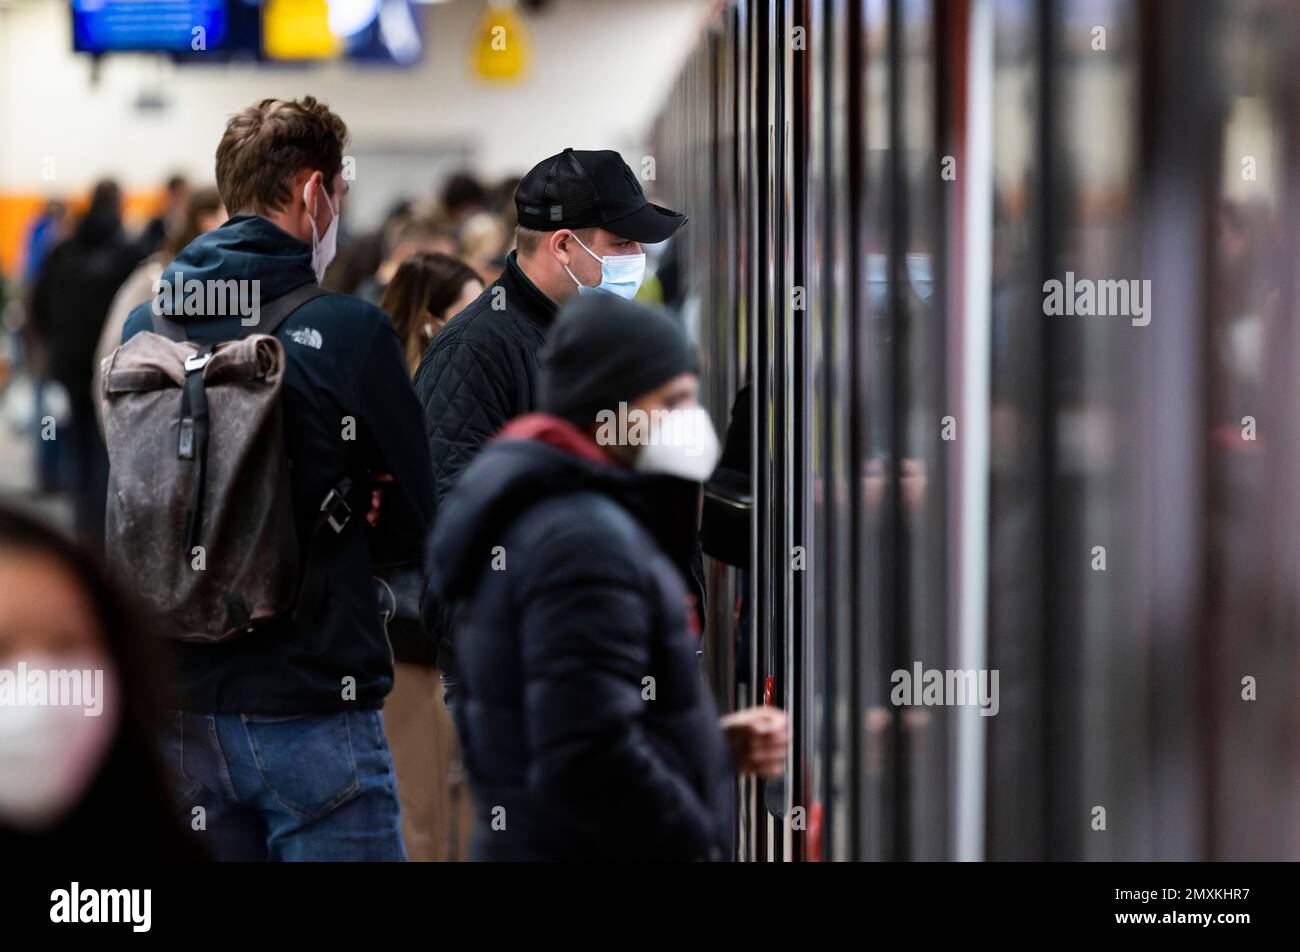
426	291
203	212
80	777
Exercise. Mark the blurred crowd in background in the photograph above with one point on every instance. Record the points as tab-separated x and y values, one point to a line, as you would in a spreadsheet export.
84	266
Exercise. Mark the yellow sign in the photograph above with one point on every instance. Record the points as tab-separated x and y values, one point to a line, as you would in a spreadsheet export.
500	45
298	30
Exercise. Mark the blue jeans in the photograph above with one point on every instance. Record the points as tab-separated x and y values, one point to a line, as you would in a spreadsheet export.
301	787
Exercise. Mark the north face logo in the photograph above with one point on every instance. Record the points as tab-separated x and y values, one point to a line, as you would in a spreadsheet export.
307	336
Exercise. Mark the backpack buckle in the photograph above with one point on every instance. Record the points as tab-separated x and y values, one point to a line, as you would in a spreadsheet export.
333	504
197	361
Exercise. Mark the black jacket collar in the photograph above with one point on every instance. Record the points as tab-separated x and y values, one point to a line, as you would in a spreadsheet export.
525	295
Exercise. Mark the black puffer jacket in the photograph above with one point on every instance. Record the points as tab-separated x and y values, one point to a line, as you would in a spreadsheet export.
566	605
480	371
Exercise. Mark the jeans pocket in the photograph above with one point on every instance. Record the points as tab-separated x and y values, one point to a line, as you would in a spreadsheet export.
306	762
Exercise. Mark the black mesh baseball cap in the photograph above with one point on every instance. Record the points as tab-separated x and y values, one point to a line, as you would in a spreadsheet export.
591	190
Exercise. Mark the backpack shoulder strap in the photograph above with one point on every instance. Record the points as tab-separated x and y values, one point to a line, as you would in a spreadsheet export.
277	312
269	318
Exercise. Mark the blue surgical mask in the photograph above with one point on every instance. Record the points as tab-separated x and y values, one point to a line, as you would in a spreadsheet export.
619	274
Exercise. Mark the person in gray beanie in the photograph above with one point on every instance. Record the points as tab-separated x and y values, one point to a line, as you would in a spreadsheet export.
608	351
585	722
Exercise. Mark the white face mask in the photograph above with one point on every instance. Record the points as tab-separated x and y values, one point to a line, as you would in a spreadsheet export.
619	274
682	443
50	753
322	249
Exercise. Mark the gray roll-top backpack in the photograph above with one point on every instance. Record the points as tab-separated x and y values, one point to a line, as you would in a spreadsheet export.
200	516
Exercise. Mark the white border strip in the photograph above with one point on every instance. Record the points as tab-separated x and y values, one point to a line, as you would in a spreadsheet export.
977	242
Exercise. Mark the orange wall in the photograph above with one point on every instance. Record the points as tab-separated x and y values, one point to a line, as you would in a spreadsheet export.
19	209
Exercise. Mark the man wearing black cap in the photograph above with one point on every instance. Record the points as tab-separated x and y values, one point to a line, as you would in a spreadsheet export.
588	730
582	219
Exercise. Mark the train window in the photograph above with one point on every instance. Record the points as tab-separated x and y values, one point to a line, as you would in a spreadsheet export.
948	468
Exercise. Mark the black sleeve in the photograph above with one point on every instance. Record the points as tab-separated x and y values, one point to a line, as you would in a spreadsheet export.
724	520
390	415
740	432
586	642
466	401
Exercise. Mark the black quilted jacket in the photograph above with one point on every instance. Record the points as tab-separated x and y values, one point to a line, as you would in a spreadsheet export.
481	370
587	728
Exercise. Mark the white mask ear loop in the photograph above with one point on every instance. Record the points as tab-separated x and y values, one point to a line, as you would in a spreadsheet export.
311	212
590	252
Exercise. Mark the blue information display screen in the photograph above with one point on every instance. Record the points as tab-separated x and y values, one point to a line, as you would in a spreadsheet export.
103	26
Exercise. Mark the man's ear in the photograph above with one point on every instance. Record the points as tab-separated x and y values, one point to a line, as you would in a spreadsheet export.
559	244
317	190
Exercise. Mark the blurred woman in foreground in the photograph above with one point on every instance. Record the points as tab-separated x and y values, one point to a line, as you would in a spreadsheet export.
80	775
